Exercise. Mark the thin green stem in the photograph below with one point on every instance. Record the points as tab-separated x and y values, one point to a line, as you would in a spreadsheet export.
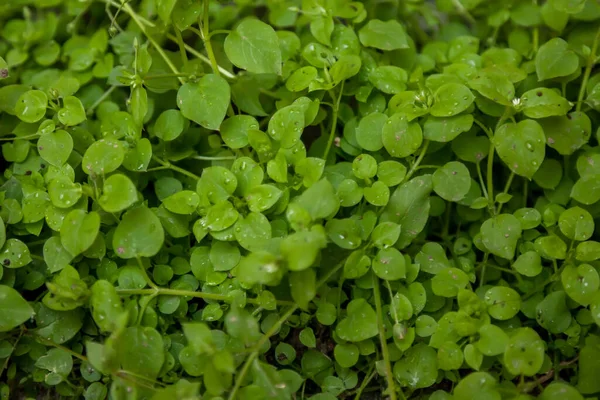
506	188
181	44
365	382
490	179
206	38
158	291
274	328
483	127
336	109
145	274
136	18
163	76
170	166
483	268
428	167
34	136
588	70
173	38
415	166
14	346
391	389
56	345
219	32
481	182
100	99
216	158
256	348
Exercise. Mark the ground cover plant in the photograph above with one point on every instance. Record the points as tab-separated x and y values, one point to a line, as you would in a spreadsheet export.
300	199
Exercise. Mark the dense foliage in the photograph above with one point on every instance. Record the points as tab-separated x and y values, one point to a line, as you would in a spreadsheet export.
300	199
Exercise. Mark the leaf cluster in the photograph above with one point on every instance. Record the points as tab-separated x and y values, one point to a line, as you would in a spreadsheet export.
285	199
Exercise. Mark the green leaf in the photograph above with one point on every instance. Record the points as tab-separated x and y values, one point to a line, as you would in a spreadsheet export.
139	234
417	369
388	35
169	125
554	59
140	351
400	137
31	106
234	130
587	189
525	352
369	131
581	283
262	197
521	146
452	181
184	202
503	302
389	264
345	68
567	133
79	230
446	129
55	147
576	224
360	322
303	287
118	193
301	78
528	264
14	310
409	207
389	79
103	157
493	86
72	112
254	46
559	390
205	102
477	385
106	305
553	314
451	99
492	340
543	103
57	361
500	235
15	254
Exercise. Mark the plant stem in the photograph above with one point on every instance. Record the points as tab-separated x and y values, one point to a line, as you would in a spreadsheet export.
158	291
145	274
137	19
483	267
168	165
336	109
173	38
508	183
180	43
35	135
480	175
58	346
384	349
206	38
365	382
104	96
415	166
216	158
490	179
256	348
588	70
